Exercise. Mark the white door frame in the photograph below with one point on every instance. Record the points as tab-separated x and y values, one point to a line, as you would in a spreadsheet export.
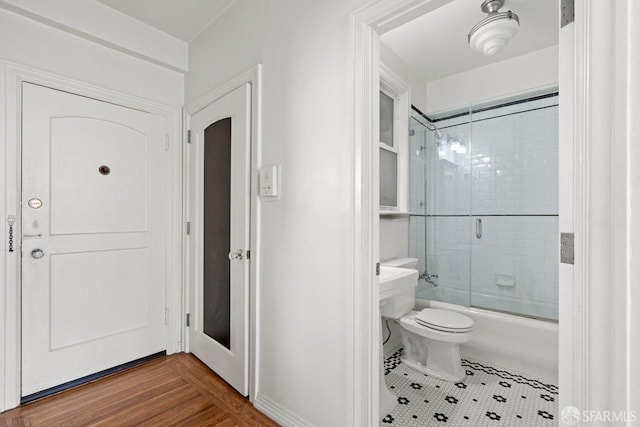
591	372
12	75
252	76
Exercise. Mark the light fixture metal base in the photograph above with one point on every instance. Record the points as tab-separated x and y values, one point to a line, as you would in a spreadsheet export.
491	6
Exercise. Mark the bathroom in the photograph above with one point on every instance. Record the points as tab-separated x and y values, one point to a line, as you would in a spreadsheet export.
469	200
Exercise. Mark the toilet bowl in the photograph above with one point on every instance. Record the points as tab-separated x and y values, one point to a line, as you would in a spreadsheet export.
431	338
433	347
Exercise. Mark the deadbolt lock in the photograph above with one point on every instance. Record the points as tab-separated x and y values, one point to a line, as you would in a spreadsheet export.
37	253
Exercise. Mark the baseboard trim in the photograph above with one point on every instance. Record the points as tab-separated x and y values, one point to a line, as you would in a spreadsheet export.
278	413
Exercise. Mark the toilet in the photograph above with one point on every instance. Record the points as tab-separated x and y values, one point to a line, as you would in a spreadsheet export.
431	337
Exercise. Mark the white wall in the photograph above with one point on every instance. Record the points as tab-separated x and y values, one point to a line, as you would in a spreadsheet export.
305	277
29	42
399	67
537	69
101	24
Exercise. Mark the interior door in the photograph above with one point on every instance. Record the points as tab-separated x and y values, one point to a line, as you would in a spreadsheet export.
219	238
93	244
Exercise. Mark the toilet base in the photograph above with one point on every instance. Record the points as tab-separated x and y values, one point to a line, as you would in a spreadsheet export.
416	366
435	358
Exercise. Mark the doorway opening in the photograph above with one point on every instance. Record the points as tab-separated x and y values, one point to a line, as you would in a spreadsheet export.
459	92
221	238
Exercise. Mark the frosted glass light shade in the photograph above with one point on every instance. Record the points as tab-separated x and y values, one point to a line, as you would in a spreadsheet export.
491	37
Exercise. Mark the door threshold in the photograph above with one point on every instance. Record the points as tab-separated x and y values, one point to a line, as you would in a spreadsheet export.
92	377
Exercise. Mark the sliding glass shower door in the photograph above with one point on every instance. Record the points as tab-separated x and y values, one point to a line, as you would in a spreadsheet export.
484	206
514	207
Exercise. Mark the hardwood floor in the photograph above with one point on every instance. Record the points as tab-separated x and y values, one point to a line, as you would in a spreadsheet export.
176	390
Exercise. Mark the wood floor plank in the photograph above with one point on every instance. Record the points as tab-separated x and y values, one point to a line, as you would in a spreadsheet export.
176	390
145	409
132	380
93	404
179	414
120	404
193	370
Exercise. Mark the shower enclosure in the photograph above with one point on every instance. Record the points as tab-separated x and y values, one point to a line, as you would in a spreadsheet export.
483	201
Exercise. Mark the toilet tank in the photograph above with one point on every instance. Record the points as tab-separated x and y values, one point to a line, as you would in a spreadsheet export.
398	305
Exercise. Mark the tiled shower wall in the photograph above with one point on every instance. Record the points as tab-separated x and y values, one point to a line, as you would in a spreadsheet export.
508	178
394	235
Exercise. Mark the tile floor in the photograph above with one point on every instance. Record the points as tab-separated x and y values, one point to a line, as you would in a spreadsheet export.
488	396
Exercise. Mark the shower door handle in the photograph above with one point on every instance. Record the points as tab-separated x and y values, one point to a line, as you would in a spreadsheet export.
478	228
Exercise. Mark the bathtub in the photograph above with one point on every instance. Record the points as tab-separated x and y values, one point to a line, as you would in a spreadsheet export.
527	346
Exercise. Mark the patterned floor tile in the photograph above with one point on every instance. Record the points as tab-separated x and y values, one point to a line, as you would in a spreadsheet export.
488	396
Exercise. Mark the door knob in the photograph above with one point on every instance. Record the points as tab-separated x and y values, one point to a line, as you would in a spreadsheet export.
37	253
236	255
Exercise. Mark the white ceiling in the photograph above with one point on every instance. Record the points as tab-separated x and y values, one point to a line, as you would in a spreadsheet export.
435	45
183	19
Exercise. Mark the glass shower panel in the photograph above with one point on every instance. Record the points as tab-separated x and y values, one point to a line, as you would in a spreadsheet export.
447	192
417	194
417	166
514	208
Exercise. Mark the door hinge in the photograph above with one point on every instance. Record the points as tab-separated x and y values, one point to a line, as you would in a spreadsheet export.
377	268
188	228
189	137
567	12
567	248
188	320
166	142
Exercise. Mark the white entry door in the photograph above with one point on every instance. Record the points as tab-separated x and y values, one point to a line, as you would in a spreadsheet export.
219	239
93	243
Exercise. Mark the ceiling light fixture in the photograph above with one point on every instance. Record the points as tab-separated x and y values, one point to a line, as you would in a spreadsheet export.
491	35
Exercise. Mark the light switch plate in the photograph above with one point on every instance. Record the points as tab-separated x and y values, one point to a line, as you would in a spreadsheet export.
270	183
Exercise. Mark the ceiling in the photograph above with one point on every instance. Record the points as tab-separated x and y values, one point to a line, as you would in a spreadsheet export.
183	19
435	45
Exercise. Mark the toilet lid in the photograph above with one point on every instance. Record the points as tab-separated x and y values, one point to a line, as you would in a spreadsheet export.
444	319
